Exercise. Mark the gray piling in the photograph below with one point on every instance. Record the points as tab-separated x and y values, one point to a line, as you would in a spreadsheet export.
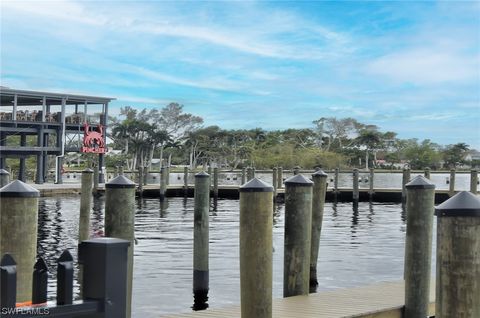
167	180
185	181
418	246
298	232
4	178
427	172
121	171
140	180
200	240
274	182
249	174
318	203
163	183
244	175
96	174
85	205
120	221
451	186
355	190
335	181
296	170
458	257
18	232
256	264
473	181
405	180
215	182
371	190
280	178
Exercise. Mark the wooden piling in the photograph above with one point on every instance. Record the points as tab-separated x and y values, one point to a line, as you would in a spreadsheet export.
120	221
371	190
163	183
451	186
296	170
4	178
318	202
96	174
249	174
458	257
200	240
335	181
274	182
355	189
18	232
215	183
256	223
418	246
427	172
185	181
244	175
405	180
140	180
473	181
85	205
298	232
280	178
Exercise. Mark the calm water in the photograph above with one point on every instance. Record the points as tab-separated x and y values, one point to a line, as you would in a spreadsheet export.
358	247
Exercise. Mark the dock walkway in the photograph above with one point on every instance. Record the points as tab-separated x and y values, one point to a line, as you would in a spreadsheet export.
382	300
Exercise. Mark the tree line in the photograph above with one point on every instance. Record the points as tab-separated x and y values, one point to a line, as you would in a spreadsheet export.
180	138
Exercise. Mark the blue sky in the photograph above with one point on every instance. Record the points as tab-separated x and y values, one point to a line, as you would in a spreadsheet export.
409	67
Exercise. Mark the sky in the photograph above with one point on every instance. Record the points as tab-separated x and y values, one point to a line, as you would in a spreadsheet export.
412	67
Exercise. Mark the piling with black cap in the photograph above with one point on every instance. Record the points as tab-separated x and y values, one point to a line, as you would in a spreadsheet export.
355	190
4	177
200	240
120	220
451	186
427	172
85	205
215	182
473	181
418	246
405	180
163	183
298	235
458	257
318	203
18	232
280	178
256	223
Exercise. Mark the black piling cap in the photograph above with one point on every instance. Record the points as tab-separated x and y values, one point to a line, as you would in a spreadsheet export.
299	181
420	182
461	204
120	182
319	173
18	189
4	172
87	170
202	174
256	185
65	257
7	260
40	265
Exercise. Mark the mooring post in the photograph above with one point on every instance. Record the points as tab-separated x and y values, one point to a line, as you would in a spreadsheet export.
163	183
18	232
318	202
274	182
249	174
418	246
185	181
200	240
371	190
215	182
458	257
335	181
121	171
355	190
120	220
253	172
405	180
105	278
117	171
473	181
427	172
244	175
85	205
4	178
451	186
298	235
140	180
256	223
280	178
95	180
296	170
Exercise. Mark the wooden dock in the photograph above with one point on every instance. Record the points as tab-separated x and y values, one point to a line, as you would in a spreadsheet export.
383	300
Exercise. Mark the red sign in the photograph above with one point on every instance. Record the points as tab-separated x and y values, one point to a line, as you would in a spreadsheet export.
93	141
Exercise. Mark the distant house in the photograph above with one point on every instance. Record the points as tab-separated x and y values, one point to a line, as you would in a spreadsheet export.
472	155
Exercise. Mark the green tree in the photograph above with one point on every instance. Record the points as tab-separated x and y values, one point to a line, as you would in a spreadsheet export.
454	155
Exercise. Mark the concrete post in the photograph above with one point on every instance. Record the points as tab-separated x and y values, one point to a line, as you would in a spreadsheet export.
200	240
427	172
405	180
318	202
256	223
215	182
451	186
163	183
85	205
458	257
371	190
18	232
280	178
355	190
473	181
298	232
4	178
120	221
418	246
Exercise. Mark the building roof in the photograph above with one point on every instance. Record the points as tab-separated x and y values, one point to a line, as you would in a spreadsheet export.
28	98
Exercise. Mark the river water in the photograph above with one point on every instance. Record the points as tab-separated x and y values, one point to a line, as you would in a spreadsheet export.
358	247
